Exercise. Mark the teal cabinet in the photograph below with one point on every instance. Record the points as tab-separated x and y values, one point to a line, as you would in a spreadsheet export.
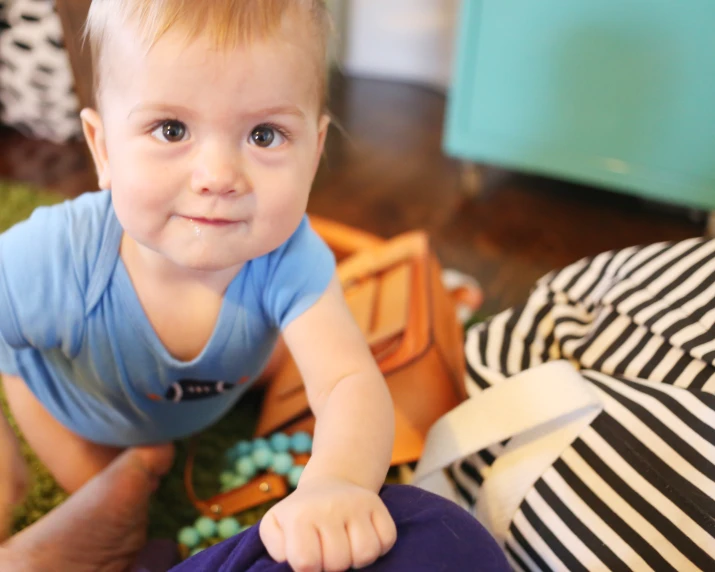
615	93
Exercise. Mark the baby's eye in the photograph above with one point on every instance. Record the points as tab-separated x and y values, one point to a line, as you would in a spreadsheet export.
266	137
171	131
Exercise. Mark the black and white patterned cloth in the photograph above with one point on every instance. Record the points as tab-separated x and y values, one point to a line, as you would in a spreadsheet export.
36	83
636	489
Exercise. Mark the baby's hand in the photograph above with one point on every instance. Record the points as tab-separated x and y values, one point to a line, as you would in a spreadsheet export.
328	524
13	476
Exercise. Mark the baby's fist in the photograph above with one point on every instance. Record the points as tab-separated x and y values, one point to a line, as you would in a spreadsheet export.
328	524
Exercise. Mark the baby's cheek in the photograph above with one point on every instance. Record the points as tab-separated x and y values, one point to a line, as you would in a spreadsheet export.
285	215
137	206
281	193
149	189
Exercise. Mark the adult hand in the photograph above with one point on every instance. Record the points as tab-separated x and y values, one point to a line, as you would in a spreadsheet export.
100	527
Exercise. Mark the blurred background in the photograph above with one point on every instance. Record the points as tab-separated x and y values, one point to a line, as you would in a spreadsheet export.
521	135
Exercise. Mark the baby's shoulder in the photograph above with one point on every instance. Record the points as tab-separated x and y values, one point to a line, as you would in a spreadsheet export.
59	239
46	263
295	274
302	248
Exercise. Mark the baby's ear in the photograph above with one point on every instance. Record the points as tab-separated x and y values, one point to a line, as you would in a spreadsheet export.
323	124
94	134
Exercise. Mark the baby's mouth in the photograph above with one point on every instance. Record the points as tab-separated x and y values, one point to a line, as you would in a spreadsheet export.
218	222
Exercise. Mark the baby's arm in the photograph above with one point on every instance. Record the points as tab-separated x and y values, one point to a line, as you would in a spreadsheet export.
347	393
335	519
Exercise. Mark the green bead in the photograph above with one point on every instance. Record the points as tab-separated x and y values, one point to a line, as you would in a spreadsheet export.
261	443
228	527
294	475
282	463
280	442
238	481
230	456
226	477
189	537
262	457
243	448
245	467
206	527
301	442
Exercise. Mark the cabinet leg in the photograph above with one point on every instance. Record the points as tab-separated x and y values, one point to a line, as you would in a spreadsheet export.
710	225
696	216
471	178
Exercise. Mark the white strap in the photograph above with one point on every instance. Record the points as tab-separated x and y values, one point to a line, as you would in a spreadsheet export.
542	410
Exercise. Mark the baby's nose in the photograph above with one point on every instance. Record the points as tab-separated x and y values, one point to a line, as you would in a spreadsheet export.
219	172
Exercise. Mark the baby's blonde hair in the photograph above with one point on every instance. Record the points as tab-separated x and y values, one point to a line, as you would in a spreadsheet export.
229	23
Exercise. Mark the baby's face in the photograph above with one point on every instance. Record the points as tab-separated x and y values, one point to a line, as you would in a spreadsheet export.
210	155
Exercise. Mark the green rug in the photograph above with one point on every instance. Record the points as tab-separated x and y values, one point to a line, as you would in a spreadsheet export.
170	509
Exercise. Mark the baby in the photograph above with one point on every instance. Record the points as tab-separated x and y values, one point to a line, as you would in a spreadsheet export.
208	130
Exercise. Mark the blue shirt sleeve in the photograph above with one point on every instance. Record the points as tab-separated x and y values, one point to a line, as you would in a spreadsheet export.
8	365
298	273
41	304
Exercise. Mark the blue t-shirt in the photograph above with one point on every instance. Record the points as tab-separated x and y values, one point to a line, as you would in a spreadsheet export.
72	326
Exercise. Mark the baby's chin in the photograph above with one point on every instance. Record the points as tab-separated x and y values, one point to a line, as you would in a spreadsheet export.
207	262
210	251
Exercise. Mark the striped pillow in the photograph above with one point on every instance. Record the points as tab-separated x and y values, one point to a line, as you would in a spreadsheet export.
636	490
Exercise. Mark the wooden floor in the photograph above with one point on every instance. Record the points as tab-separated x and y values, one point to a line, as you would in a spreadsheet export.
384	172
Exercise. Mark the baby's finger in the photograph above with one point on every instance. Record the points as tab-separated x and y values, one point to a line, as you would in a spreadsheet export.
385	528
303	548
335	546
272	537
365	545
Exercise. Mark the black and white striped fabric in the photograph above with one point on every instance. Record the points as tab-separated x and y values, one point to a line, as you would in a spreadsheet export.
636	490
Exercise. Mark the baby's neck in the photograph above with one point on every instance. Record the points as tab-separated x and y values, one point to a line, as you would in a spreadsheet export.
156	268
